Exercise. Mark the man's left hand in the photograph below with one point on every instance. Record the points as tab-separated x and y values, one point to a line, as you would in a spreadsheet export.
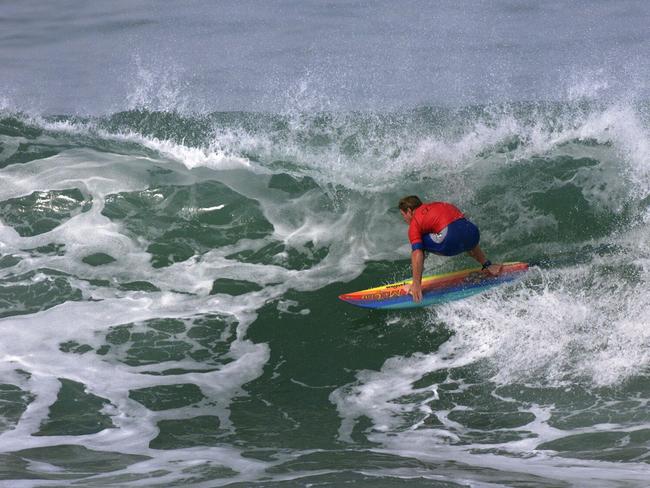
415	290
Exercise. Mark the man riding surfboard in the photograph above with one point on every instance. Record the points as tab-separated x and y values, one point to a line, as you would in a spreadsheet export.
440	228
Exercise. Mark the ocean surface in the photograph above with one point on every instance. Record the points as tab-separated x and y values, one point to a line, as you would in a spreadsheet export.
186	188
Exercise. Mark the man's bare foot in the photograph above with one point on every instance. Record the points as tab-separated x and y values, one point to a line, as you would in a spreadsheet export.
494	269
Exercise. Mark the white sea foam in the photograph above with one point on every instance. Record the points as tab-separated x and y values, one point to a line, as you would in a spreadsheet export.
585	324
36	337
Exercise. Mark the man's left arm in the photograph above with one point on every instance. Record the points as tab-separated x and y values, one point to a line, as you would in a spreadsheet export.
417	261
417	264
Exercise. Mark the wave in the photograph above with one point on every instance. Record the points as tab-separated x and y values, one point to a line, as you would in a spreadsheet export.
162	252
565	185
369	151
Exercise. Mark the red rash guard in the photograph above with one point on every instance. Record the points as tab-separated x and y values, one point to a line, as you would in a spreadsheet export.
431	217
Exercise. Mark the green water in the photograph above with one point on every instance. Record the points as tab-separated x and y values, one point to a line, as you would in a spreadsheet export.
168	291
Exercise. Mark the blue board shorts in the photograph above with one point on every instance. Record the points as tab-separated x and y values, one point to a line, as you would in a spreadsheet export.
459	236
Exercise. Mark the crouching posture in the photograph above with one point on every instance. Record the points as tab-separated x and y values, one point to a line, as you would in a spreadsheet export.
440	228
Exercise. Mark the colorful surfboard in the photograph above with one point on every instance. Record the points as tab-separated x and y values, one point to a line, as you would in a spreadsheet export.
435	289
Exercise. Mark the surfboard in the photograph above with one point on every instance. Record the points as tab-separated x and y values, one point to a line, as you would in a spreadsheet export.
436	289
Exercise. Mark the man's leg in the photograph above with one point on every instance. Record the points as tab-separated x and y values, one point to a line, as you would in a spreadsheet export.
477	253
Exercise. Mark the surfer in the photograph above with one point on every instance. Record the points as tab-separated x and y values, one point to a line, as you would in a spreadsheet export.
440	228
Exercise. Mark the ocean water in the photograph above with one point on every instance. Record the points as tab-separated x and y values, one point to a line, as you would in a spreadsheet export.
186	188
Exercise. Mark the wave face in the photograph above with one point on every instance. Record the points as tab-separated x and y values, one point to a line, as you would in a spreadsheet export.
168	285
